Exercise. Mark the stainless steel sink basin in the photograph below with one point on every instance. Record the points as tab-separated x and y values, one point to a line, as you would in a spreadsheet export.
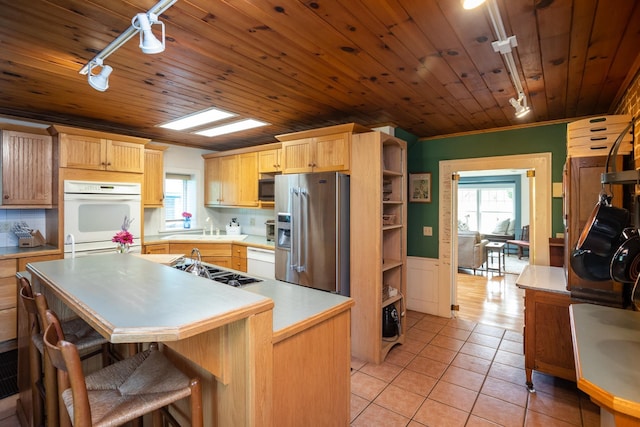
207	238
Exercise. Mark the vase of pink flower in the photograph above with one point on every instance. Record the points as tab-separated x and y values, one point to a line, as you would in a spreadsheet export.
123	238
187	219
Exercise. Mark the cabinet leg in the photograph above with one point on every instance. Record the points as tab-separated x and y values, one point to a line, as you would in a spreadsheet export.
529	373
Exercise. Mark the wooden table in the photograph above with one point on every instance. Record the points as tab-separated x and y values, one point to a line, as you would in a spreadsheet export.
606	344
224	331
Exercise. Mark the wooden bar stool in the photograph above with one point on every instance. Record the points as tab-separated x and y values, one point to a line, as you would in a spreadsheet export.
121	392
44	387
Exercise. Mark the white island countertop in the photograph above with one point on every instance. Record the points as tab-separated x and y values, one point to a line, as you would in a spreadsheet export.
543	278
129	299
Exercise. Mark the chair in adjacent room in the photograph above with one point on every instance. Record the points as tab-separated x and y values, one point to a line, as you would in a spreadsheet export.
44	387
521	244
121	392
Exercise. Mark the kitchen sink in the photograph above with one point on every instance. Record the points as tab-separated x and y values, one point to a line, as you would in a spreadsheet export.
207	238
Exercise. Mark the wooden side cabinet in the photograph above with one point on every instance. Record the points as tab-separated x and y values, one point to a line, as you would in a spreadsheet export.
547	335
318	154
27	169
153	189
239	257
269	161
160	248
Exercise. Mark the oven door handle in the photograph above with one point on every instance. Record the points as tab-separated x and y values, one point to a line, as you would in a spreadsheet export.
102	197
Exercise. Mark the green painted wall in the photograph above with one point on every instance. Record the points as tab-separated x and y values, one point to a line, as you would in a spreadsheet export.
424	156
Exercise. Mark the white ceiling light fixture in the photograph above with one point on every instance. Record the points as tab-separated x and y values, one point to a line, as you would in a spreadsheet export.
141	23
232	127
504	47
99	81
203	117
149	44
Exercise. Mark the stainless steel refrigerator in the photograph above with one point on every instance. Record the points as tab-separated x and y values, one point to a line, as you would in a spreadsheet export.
312	235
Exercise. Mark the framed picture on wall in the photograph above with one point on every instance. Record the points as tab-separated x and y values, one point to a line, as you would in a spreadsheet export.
420	187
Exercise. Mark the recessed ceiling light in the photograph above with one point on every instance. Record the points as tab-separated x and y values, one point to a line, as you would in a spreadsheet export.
232	127
197	119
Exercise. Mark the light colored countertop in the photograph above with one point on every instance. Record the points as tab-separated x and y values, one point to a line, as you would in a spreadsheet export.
295	307
543	278
18	252
129	299
606	344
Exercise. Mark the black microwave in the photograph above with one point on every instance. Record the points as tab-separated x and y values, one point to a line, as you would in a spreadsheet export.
267	189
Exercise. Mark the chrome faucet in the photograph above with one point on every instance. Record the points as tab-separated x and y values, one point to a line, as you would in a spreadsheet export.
71	240
196	268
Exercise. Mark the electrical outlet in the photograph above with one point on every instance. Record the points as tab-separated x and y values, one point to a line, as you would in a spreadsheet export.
5	227
427	231
252	221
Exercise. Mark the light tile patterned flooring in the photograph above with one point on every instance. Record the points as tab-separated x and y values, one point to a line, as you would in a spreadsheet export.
453	372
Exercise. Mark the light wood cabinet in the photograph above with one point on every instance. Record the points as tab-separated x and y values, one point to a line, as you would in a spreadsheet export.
317	154
160	248
85	149
27	169
269	161
378	255
153	186
247	179
8	300
213	253
239	257
212	181
548	346
582	191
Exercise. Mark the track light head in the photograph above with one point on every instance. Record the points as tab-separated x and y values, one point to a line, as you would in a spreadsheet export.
149	44
99	81
520	105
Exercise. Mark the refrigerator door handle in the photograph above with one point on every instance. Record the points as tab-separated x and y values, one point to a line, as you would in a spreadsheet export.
295	215
303	225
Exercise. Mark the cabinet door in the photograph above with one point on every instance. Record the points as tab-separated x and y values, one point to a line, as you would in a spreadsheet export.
82	152
583	193
229	180
124	156
26	168
332	153
212	181
162	248
153	190
269	161
248	179
297	156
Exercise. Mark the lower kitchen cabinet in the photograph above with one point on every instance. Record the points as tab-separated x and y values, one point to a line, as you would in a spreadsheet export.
239	257
8	300
162	248
547	335
213	253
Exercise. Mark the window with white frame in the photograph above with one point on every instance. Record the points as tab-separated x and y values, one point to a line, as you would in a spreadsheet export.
180	197
481	206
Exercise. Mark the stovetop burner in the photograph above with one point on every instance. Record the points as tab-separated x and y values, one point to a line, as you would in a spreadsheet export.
223	276
234	279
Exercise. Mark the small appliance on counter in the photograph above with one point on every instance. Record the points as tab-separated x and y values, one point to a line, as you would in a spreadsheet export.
270	226
233	228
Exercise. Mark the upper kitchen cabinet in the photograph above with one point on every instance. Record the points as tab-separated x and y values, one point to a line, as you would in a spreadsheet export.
221	181
269	161
248	179
86	149
27	168
318	150
153	189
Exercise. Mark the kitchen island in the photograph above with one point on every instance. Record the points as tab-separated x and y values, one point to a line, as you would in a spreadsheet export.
268	354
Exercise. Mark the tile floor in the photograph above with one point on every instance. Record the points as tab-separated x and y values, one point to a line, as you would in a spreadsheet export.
453	372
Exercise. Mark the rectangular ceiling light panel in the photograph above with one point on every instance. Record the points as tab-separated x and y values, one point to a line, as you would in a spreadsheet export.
232	127
197	119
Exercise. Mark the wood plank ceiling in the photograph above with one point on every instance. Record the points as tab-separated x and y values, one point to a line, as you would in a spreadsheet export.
426	66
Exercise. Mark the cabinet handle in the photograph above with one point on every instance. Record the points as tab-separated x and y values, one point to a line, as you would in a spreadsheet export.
6	196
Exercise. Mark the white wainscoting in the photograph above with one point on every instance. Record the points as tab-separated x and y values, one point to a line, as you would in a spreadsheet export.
422	285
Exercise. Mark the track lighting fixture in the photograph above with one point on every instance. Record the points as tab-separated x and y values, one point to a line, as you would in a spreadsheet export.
504	47
520	105
99	81
149	44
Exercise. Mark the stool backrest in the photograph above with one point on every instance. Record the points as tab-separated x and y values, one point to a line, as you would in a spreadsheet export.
524	235
66	359
35	303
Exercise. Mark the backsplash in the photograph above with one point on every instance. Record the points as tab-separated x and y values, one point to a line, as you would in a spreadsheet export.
35	219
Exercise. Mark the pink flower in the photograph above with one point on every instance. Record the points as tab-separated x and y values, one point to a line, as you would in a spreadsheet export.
123	237
186	214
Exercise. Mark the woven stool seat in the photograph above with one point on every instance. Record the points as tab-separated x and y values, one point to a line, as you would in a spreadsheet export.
121	392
